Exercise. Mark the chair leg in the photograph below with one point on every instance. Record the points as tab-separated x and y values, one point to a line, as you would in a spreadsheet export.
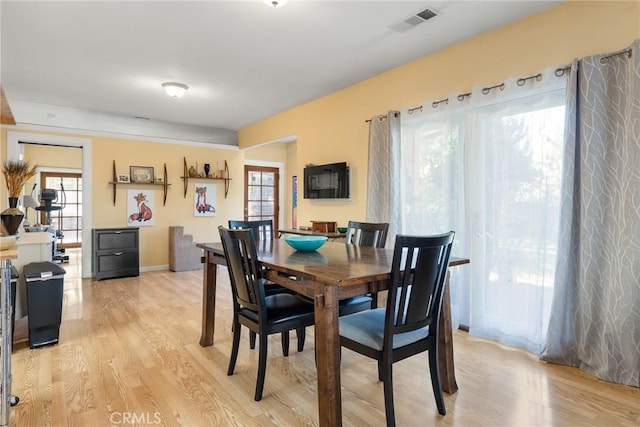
388	394
262	367
301	333
374	300
434	369
380	371
252	340
285	343
234	348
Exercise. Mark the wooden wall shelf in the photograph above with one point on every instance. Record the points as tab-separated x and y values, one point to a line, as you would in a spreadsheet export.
165	185
185	178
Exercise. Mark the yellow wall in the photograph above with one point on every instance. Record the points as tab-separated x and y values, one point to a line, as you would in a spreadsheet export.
333	128
51	156
154	241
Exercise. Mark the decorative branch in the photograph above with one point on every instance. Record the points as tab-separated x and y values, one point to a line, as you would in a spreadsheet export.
16	175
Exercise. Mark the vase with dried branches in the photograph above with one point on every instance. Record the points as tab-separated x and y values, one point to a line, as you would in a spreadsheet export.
16	174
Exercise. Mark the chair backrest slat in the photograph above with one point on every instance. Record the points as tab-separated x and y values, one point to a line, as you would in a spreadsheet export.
261	229
367	234
418	276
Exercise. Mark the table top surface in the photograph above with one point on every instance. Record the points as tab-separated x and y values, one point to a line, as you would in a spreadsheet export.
334	263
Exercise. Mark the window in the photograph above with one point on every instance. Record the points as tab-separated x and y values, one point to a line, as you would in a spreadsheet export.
489	168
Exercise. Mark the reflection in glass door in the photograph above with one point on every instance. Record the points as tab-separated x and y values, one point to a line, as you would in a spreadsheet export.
69	219
261	198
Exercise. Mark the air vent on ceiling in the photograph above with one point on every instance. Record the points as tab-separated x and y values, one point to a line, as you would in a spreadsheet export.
411	21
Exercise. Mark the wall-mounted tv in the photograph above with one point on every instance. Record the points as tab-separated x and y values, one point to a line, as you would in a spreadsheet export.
326	181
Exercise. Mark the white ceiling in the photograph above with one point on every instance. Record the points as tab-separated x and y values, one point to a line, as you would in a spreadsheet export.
96	66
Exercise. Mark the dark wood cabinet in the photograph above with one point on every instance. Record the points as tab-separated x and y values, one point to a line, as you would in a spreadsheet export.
115	253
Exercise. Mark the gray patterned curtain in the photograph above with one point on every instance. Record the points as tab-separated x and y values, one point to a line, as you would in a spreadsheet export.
383	195
595	320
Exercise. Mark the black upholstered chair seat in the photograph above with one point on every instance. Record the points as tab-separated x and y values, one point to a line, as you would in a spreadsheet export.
282	308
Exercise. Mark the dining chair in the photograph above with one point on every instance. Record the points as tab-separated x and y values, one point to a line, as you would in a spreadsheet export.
367	234
410	322
262	314
263	234
261	229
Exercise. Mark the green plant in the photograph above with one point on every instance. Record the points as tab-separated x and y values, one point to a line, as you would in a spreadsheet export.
16	174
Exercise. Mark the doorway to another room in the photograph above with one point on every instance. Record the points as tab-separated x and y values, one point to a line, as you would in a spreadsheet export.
68	219
262	194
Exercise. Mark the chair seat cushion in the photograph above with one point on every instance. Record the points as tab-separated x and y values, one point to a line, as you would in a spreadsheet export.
282	307
367	328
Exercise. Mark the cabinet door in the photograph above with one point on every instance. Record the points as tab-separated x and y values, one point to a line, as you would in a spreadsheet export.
117	264
116	240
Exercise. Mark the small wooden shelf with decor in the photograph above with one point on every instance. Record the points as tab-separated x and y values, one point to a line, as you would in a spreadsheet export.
165	185
185	178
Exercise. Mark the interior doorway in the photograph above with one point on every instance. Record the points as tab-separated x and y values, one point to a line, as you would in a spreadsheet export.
262	194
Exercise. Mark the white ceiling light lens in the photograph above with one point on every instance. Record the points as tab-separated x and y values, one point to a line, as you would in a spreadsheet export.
175	90
275	3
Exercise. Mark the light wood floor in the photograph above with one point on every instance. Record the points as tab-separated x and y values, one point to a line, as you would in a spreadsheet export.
129	355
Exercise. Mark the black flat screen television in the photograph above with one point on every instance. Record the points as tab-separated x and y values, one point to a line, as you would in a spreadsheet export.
326	181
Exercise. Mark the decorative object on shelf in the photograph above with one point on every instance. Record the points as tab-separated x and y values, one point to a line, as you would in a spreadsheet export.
141	174
207	169
192	172
147	178
204	200
139	208
122	177
16	174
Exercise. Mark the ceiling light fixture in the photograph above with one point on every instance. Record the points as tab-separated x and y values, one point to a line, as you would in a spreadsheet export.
174	89
275	3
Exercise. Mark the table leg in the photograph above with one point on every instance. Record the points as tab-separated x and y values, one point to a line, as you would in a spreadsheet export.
210	271
445	350
328	356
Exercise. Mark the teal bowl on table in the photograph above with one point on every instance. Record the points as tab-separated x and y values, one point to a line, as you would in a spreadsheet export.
305	243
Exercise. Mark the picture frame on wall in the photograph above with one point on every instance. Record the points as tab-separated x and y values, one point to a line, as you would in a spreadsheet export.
205	199
141	174
140	208
123	177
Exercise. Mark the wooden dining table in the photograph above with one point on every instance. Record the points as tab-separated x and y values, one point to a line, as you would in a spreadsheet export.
334	272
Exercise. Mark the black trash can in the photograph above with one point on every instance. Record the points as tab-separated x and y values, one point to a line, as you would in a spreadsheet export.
44	281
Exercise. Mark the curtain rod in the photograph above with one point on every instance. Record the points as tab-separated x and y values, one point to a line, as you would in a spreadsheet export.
620	52
486	90
382	116
48	144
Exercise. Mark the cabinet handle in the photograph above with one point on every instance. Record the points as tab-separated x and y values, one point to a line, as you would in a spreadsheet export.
117	232
118	253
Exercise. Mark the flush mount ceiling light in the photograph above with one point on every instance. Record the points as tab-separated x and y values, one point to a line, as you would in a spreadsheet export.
174	89
275	3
